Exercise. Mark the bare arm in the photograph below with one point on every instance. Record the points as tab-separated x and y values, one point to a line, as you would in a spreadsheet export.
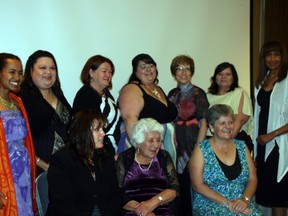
251	184
196	167
240	118
42	164
203	130
241	205
131	103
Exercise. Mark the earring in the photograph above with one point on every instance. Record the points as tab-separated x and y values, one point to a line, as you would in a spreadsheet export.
137	151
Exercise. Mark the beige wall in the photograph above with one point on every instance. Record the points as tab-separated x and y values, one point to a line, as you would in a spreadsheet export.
209	31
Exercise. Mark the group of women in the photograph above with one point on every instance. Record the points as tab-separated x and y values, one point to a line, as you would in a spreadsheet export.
161	143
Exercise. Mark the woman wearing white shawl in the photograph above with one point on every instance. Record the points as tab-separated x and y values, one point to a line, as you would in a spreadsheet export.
270	135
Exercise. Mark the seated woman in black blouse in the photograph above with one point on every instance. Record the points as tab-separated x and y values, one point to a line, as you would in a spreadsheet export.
146	172
82	176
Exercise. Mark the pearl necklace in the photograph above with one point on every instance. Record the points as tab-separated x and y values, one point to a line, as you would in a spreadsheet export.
10	105
139	165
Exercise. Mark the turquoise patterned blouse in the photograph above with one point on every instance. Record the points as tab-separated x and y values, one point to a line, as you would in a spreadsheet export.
215	178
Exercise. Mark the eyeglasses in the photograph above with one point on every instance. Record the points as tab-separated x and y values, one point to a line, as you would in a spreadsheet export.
147	66
183	69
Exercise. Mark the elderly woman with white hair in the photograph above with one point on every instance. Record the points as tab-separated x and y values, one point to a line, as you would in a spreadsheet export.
146	173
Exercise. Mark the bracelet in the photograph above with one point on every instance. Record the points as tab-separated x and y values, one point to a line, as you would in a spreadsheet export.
226	204
276	133
37	160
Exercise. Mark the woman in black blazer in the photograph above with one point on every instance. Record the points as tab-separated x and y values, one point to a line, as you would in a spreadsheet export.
82	176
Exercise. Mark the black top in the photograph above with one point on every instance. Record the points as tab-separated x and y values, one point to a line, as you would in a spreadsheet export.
45	122
73	191
233	171
88	98
155	109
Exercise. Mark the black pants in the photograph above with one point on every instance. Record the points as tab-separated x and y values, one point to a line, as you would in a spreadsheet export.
184	202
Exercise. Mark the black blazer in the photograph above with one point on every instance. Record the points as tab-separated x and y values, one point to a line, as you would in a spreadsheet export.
73	191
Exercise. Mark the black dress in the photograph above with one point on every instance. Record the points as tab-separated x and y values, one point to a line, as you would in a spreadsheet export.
269	192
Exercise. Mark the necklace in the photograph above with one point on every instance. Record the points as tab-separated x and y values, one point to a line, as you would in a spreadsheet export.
10	105
139	165
222	147
155	92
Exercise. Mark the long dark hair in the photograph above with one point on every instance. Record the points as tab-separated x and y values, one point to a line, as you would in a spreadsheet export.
28	83
213	89
80	138
135	61
268	47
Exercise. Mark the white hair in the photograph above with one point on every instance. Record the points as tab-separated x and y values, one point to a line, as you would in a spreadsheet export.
142	127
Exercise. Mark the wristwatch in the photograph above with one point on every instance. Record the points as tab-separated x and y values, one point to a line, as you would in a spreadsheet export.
246	199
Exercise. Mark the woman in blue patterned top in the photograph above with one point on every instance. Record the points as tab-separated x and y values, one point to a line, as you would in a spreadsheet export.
222	171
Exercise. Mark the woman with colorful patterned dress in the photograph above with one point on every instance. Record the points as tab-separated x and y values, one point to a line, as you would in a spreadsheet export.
17	157
190	124
222	171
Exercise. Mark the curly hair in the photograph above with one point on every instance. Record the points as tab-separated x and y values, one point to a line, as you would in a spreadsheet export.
143	126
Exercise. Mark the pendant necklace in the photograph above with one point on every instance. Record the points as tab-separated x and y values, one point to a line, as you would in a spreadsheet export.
139	165
10	105
155	92
92	171
222	147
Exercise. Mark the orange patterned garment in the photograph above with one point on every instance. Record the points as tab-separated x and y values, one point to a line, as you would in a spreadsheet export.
6	178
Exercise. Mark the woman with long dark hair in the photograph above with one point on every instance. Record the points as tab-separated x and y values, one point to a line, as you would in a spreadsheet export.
82	176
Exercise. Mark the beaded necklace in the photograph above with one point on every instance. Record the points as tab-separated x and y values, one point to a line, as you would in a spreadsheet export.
139	165
10	105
